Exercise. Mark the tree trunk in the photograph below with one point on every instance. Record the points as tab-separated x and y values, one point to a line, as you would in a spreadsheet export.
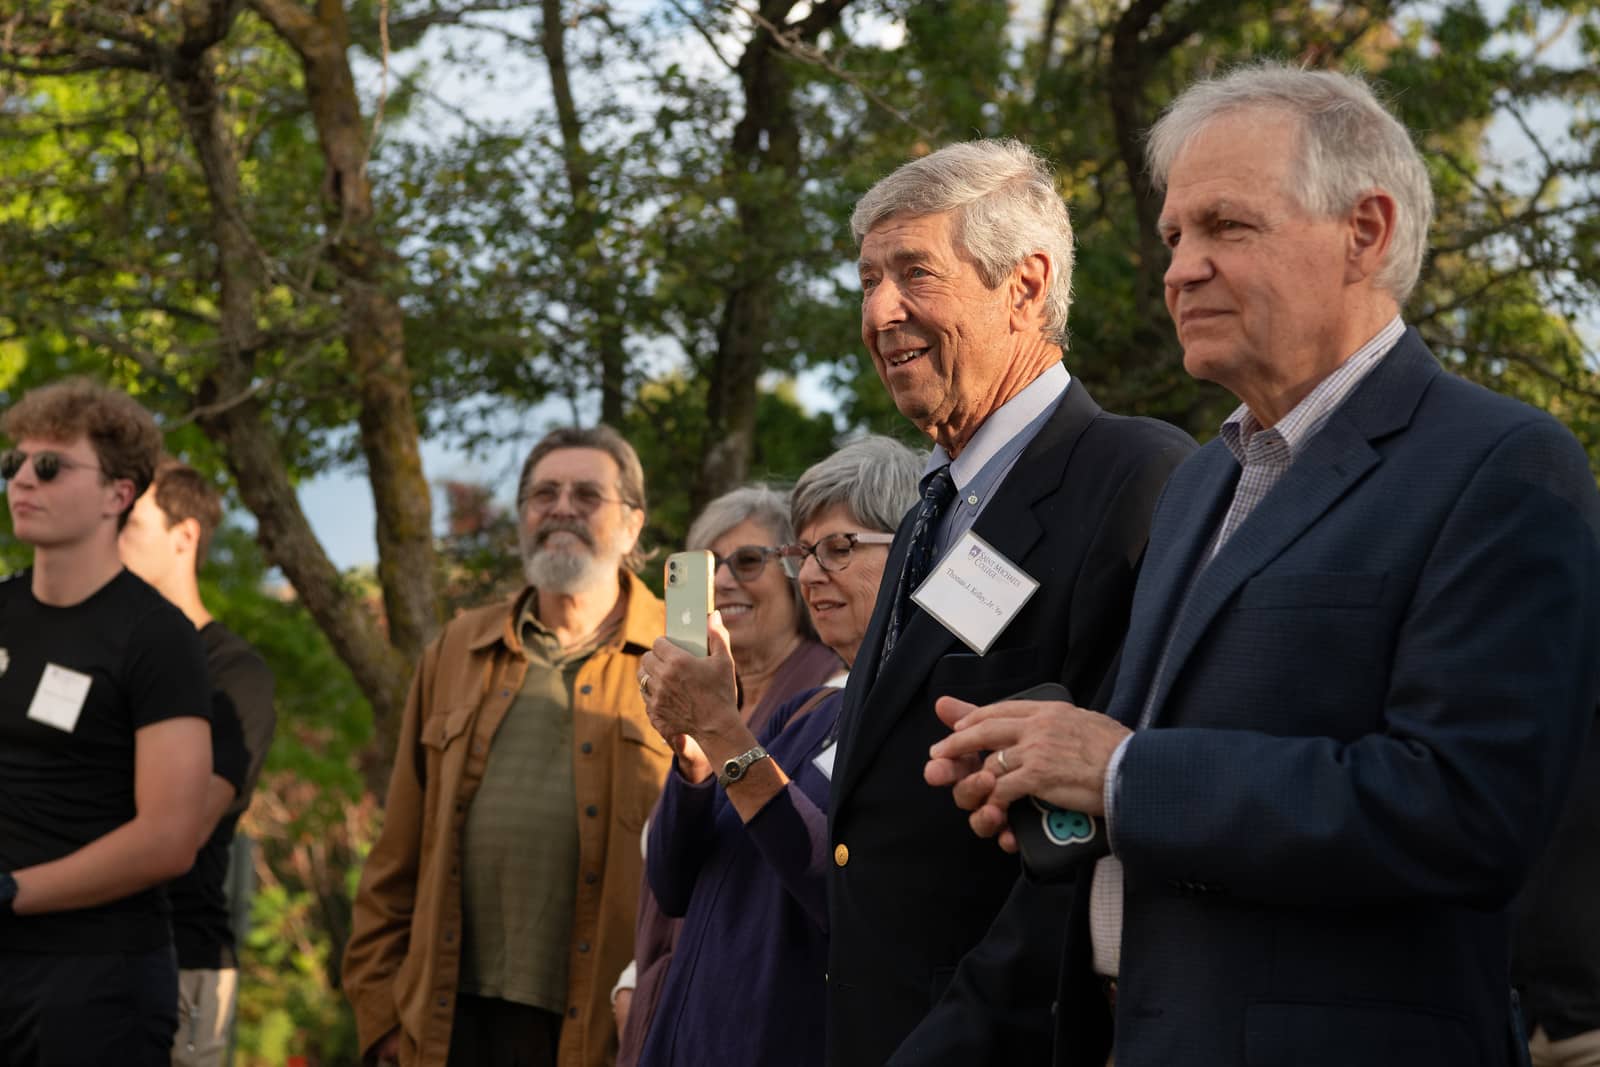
1129	69
764	170
375	333
235	420
598	288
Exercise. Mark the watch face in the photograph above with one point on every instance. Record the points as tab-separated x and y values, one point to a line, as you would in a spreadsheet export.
733	770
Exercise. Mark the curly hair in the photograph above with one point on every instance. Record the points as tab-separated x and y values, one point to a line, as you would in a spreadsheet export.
124	435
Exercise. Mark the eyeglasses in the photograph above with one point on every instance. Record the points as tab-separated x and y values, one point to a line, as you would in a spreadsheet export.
832	552
748	561
46	464
585	496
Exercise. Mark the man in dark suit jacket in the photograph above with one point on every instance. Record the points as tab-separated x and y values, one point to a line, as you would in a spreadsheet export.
1365	644
965	267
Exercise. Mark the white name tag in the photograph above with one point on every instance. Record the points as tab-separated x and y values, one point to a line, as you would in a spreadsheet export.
824	760
975	592
59	699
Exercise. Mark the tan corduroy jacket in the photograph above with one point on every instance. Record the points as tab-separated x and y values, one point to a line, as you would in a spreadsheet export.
401	966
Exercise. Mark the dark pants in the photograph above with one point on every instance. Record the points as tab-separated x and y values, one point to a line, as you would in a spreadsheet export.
490	1032
88	1009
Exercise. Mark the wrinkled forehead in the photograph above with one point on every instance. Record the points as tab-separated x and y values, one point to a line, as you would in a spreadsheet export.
902	238
1239	155
576	465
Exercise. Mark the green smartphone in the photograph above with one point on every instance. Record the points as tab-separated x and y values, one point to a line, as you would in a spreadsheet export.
689	599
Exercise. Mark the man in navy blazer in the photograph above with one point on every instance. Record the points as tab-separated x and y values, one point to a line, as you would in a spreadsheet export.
1365	641
965	266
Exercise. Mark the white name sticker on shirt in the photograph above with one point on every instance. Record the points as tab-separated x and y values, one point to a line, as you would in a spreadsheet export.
975	592
59	699
824	760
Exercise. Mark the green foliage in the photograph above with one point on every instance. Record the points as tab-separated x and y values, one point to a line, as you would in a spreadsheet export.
478	553
668	421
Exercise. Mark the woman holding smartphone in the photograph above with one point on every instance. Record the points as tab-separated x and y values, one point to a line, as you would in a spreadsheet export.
739	844
777	655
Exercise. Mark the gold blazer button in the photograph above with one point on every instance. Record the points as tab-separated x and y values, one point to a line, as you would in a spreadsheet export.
841	856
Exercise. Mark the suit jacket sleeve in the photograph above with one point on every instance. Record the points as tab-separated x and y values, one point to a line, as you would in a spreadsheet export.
1102	592
1449	792
381	915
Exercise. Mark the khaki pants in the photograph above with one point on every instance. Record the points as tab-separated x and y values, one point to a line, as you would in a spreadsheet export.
1580	1050
205	1017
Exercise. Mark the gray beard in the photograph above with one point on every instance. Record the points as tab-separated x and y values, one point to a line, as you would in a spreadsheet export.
562	571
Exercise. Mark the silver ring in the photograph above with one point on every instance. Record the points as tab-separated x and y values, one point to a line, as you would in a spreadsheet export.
644	684
1001	757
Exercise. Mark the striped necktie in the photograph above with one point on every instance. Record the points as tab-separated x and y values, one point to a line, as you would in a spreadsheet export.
938	488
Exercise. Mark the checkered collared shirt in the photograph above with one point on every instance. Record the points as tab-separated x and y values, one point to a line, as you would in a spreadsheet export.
1265	454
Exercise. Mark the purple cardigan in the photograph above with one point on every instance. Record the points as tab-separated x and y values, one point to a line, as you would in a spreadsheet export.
654	934
746	984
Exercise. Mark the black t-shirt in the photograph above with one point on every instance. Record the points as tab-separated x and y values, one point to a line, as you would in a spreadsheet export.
242	725
70	783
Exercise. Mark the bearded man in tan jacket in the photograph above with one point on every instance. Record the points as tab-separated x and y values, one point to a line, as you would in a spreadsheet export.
499	899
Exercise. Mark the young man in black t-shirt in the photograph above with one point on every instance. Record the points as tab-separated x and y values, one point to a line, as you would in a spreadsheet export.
165	542
105	745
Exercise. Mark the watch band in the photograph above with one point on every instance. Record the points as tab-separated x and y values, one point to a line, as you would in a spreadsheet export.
739	766
8	892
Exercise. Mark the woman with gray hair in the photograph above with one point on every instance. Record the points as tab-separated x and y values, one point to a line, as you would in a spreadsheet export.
739	844
775	650
776	655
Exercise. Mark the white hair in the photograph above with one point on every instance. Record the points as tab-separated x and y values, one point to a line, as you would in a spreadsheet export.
1350	145
1005	205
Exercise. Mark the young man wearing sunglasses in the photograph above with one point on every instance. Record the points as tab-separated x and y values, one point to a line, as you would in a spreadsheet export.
105	746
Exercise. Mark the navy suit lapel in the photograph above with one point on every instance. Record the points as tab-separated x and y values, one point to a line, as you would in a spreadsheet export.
1181	533
1011	525
1333	462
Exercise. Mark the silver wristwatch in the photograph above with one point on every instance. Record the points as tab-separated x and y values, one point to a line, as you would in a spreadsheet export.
739	766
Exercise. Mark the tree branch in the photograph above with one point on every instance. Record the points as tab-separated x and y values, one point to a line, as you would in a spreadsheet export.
705	34
792	43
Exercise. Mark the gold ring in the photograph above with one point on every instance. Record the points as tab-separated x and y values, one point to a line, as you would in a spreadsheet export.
1001	757
644	684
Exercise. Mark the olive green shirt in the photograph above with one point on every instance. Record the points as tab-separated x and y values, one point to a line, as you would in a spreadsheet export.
520	842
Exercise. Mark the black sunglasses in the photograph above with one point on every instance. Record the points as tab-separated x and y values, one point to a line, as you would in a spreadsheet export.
747	561
46	464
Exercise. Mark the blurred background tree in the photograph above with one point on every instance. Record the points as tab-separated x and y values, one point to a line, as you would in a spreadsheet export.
312	234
